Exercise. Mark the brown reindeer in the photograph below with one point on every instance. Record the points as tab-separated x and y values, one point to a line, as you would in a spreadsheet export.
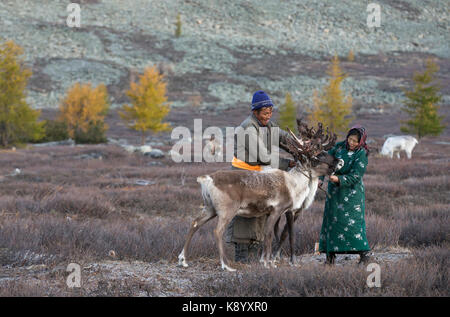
274	192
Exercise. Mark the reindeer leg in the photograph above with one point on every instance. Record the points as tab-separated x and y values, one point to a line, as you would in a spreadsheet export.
275	231
291	217
289	214
290	224
277	251
197	223
224	220
266	257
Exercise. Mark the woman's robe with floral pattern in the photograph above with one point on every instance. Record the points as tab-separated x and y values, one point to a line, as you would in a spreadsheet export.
344	226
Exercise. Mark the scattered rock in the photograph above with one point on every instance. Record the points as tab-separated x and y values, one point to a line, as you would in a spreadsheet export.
130	148
154	163
119	142
155	153
442	142
143	182
56	143
90	156
144	149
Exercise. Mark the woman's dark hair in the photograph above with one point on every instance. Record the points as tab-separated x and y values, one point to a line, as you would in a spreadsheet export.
362	135
354	132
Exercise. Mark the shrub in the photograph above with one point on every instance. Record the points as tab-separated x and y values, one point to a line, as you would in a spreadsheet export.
94	134
54	131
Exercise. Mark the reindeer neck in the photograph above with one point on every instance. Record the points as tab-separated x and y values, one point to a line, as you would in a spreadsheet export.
301	174
301	170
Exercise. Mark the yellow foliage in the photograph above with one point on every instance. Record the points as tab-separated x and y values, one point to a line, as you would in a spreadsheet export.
288	114
178	26
14	73
330	107
351	56
149	103
18	122
83	105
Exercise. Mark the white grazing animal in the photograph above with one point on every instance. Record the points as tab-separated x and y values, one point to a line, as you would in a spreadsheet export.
395	144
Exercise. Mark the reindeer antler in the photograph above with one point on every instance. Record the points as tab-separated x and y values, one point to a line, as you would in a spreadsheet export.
311	142
329	140
297	147
300	142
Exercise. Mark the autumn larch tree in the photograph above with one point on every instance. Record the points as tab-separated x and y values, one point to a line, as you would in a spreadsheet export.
178	26
149	104
331	107
288	114
84	108
18	121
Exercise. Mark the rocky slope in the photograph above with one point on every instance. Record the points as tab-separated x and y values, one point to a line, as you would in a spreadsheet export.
228	49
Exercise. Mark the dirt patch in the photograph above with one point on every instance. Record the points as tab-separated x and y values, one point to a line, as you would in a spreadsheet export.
163	278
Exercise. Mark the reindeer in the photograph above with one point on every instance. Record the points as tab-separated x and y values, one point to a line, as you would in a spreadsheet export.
292	215
273	192
395	144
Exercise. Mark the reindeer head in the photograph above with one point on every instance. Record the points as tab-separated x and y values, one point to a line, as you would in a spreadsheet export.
310	148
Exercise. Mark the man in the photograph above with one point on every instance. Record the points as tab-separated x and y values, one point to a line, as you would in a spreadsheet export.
252	151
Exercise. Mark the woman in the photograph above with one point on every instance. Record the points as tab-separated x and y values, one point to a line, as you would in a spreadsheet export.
343	226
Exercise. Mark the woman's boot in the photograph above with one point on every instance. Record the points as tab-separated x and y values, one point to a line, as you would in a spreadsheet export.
330	258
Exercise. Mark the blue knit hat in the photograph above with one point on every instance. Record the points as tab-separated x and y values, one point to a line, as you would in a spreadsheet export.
260	100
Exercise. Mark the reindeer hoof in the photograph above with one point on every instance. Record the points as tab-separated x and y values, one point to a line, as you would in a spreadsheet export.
229	269
277	257
182	260
266	265
293	262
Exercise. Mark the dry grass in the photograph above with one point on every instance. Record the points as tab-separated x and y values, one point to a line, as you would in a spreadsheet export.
64	208
425	275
